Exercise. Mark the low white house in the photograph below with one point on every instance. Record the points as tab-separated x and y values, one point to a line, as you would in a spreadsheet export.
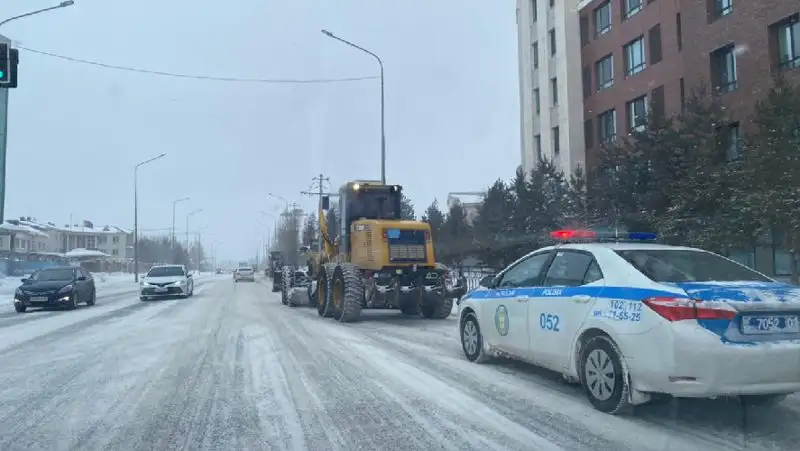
22	239
110	240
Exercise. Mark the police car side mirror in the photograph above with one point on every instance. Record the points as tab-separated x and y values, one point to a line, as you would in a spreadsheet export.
487	282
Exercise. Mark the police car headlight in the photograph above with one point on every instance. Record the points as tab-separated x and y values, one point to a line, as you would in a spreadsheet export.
65	289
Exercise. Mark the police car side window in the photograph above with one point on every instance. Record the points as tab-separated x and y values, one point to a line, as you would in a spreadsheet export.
527	273
569	269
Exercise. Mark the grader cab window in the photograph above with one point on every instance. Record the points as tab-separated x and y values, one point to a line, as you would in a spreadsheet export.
374	204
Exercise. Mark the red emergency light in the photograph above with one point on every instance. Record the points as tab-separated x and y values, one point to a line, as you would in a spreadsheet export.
573	234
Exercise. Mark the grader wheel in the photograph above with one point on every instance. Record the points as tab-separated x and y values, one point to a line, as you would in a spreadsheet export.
347	293
324	283
286	284
435	304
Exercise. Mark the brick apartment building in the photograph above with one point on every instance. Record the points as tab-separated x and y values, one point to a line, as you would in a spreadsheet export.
646	57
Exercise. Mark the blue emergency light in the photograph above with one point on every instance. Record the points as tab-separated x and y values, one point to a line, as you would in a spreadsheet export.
589	235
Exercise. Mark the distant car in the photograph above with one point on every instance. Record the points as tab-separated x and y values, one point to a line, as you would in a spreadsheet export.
166	280
244	273
64	287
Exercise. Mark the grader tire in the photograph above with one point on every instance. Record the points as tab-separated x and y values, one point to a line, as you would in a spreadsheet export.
347	293
286	284
409	304
324	284
437	306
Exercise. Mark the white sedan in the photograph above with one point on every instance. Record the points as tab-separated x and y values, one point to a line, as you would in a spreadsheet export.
632	321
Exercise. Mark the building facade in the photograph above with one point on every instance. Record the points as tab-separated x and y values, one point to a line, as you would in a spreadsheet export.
642	58
110	240
549	81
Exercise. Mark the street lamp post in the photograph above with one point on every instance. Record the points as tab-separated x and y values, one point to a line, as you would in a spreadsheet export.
172	233
63	4
136	214
383	99
187	228
4	94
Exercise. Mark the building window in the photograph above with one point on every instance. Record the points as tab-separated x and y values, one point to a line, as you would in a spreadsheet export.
637	114
535	55
634	56
723	69
552	42
536	102
789	43
533	11
723	7
556	141
602	19
604	70
607	123
538	143
554	90
631	7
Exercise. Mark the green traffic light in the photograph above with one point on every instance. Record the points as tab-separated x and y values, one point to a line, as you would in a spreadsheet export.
2	74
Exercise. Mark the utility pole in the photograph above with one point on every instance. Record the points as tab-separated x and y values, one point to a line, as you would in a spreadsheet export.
318	183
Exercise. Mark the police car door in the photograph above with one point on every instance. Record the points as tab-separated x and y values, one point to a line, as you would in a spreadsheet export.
508	304
571	284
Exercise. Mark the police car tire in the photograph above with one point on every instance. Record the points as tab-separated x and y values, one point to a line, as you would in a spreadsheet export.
480	355
619	402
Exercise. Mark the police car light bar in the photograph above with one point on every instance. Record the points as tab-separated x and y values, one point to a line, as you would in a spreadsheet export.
580	234
572	234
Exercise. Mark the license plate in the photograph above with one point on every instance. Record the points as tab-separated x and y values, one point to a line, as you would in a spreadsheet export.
161	290
39	299
770	324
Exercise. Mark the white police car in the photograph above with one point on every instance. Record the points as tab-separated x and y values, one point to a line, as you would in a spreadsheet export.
631	321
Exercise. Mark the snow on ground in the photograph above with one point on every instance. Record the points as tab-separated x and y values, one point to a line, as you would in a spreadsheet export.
232	368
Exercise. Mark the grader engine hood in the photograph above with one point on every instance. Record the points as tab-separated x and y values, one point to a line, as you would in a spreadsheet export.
402	243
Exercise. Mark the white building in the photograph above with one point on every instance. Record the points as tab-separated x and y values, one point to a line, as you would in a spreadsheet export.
470	202
550	79
110	240
23	238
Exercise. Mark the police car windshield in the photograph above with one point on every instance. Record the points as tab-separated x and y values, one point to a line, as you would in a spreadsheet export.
680	265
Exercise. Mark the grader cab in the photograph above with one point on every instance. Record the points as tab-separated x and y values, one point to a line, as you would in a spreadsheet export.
376	260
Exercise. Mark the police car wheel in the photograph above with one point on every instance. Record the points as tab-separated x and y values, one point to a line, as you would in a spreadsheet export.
602	376
472	340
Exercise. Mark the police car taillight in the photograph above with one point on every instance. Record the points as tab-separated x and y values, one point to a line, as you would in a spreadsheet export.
679	309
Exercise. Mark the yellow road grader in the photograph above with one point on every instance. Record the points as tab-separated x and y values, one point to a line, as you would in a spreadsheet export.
375	260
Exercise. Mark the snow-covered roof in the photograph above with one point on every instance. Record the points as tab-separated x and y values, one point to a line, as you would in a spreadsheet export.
82	253
77	228
21	228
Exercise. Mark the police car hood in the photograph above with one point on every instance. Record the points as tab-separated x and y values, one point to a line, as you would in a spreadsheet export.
745	296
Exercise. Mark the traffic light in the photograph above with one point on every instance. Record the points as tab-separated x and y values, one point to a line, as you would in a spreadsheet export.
9	60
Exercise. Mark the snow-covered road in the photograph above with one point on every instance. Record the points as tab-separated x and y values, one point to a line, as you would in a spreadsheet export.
233	369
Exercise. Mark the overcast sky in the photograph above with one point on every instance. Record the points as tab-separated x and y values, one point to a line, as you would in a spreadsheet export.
76	130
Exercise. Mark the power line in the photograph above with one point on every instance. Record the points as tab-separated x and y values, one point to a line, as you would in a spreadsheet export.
193	76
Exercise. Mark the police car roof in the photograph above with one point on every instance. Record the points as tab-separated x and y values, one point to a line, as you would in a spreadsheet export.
621	246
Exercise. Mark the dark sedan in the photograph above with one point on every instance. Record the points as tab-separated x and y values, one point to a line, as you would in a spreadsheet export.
63	287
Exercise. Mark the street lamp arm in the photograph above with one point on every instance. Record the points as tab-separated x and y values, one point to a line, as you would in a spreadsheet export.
38	11
331	35
150	160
